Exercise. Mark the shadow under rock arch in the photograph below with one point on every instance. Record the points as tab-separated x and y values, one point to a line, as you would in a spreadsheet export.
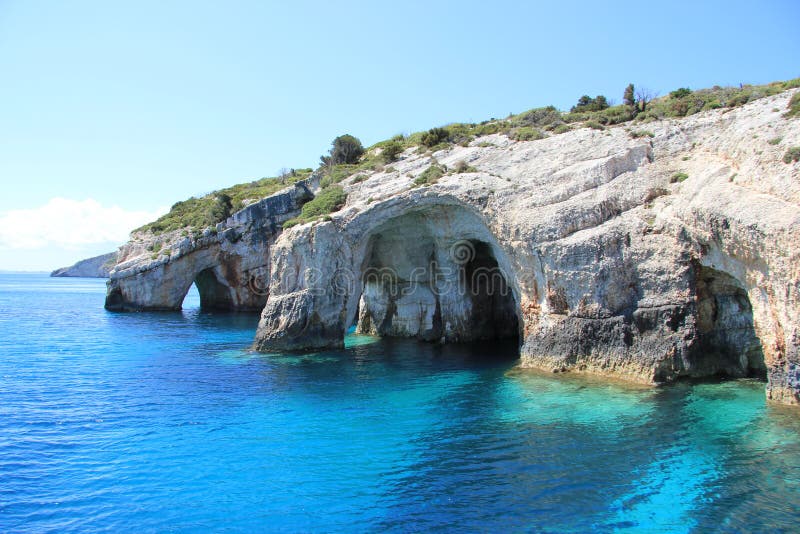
433	271
727	342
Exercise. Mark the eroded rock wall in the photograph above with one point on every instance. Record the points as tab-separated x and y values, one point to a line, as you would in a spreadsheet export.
230	264
614	266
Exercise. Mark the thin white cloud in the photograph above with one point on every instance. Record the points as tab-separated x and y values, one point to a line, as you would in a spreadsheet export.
70	223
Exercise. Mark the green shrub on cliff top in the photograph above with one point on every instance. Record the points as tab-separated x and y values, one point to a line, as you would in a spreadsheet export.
429	176
526	133
793	154
434	136
391	150
794	107
538	117
327	201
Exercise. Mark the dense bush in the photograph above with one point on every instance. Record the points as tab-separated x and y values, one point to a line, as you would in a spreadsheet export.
538	117
678	177
391	150
434	136
430	175
526	134
487	129
460	133
344	149
680	93
647	108
684	102
628	98
327	201
587	103
222	207
793	154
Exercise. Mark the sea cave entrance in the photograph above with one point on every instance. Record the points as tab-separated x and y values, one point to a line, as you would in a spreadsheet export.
437	275
209	292
727	341
214	293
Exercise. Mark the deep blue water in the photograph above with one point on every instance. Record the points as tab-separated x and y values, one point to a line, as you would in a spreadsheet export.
153	422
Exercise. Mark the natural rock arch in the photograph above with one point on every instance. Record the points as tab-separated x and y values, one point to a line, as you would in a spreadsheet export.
330	277
230	263
219	286
433	274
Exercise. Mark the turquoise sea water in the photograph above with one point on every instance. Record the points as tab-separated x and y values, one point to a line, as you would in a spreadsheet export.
166	422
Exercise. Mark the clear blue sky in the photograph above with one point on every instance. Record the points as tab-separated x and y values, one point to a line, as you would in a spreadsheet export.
140	104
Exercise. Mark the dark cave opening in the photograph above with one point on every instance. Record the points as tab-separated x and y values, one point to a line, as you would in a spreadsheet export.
214	295
417	284
494	311
727	343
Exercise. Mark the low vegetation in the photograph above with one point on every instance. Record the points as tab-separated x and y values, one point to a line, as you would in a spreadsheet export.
793	154
391	150
205	211
326	202
526	133
430	175
794	107
347	157
678	177
462	166
636	134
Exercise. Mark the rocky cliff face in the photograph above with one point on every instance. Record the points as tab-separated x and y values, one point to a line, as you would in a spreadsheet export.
96	267
229	264
585	245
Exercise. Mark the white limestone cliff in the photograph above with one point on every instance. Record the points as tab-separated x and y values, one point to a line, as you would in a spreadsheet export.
613	266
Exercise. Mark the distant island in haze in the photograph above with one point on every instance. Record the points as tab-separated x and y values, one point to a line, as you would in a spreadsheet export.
96	267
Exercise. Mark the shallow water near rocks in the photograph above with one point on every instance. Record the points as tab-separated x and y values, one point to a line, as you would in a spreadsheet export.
164	421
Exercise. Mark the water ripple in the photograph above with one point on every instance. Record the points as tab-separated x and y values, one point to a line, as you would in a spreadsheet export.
152	422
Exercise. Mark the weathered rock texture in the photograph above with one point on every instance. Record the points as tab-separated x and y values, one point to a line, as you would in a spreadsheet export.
229	264
96	267
610	267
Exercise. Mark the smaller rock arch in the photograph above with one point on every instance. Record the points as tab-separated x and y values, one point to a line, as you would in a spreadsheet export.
230	263
215	293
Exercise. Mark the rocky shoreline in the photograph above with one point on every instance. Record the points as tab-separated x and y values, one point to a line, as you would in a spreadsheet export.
648	258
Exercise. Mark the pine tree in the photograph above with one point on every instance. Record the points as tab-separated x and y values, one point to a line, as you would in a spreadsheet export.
628	97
